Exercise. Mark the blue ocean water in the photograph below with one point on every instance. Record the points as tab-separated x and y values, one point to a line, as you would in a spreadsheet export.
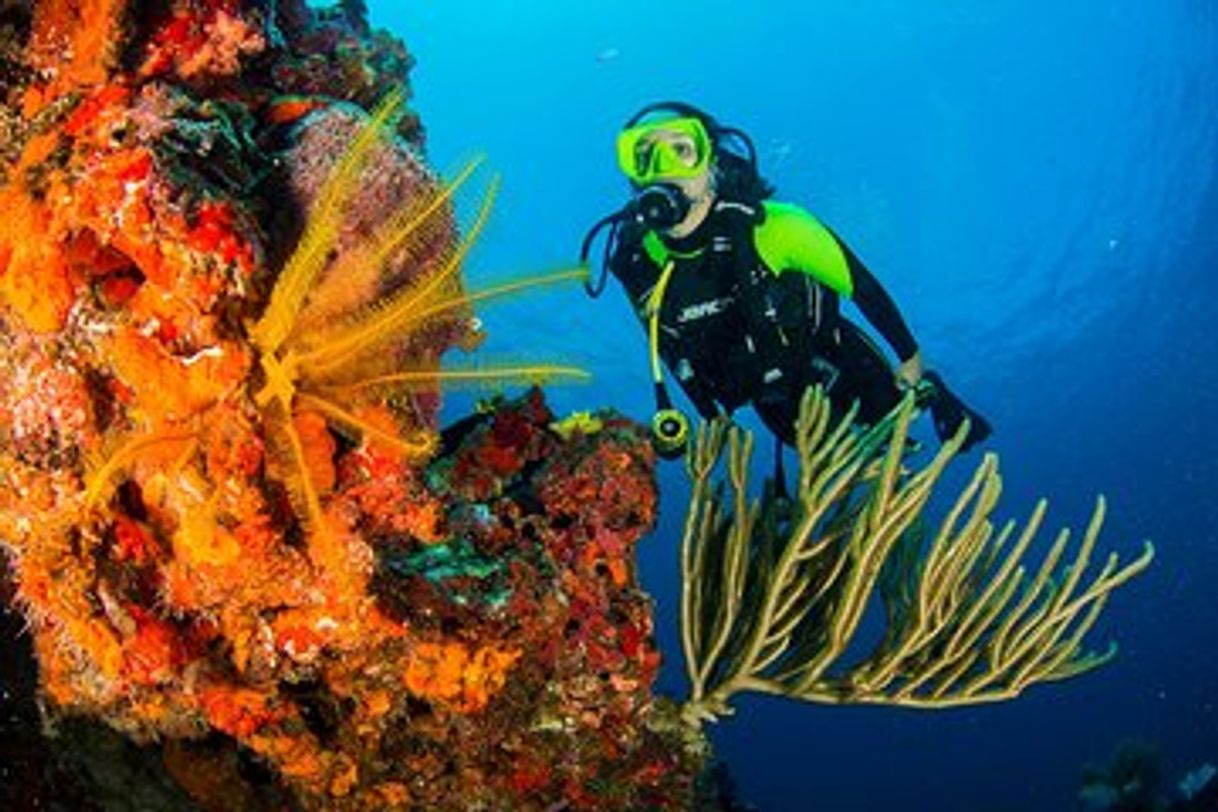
1036	183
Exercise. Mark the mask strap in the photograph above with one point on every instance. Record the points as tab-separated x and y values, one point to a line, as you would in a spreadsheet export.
680	108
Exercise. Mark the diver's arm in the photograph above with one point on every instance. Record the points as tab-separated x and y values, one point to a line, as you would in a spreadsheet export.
878	307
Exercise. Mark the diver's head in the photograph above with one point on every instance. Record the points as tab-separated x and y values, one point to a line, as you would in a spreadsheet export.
679	160
668	159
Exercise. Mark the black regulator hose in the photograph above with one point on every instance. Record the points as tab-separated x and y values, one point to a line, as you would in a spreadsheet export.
613	222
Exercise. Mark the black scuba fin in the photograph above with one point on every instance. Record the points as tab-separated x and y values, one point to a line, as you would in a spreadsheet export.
948	412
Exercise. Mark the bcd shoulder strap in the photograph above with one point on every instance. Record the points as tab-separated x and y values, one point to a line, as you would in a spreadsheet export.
784	311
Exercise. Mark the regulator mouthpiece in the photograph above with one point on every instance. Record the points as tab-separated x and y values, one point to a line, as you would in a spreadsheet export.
661	206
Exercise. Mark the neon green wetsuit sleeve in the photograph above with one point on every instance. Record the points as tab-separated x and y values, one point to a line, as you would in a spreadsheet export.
790	238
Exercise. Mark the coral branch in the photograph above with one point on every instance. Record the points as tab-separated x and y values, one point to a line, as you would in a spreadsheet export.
771	601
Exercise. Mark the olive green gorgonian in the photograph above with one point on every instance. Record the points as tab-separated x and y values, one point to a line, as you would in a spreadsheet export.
773	593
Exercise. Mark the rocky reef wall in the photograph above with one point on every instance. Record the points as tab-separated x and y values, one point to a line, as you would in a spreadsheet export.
460	624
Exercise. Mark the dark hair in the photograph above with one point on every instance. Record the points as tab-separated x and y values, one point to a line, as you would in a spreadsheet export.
737	177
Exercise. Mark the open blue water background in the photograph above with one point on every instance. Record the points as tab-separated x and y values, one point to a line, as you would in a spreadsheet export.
1037	185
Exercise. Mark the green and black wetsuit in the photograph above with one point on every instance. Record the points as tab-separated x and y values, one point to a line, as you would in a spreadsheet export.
748	313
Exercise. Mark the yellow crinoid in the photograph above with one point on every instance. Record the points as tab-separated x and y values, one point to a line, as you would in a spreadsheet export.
328	348
324	345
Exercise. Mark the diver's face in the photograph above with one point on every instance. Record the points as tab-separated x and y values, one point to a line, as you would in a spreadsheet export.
699	190
670	156
679	151
696	188
690	171
676	154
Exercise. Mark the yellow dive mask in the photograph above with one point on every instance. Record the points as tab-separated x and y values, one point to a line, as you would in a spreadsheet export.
663	150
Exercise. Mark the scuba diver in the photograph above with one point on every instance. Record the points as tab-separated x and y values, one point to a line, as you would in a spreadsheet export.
739	293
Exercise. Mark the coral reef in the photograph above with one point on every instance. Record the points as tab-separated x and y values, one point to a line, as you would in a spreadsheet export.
241	542
233	526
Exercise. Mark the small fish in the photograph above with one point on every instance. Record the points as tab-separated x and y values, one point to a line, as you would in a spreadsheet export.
780	152
608	55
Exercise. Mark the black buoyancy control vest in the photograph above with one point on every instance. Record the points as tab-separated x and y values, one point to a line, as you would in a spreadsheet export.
731	330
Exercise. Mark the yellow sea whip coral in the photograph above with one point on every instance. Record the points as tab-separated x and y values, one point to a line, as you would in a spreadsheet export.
772	602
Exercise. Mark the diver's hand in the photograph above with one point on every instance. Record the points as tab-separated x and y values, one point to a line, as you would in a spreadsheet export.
910	371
